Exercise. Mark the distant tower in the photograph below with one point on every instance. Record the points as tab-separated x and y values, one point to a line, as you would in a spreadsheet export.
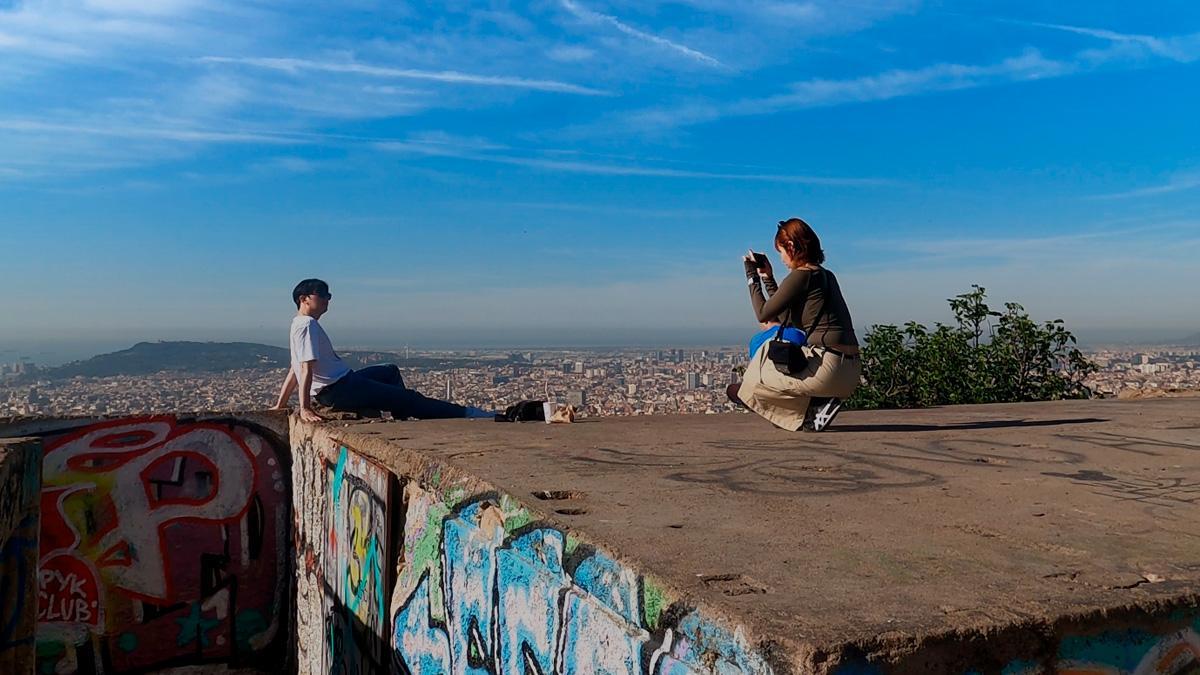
449	391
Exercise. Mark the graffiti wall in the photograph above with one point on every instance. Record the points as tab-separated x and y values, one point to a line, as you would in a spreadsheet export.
344	567
163	542
484	590
475	584
20	476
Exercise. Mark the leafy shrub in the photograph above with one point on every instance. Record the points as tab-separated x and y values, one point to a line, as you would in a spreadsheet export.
989	357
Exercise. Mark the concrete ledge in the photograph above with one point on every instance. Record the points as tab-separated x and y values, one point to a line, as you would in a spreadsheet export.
947	540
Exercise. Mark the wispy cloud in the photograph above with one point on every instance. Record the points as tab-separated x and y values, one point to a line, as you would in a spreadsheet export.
1148	238
815	93
625	170
595	17
1029	65
1185	48
1177	183
150	132
474	150
294	65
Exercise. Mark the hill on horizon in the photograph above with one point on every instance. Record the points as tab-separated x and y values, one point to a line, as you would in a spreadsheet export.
147	358
1191	340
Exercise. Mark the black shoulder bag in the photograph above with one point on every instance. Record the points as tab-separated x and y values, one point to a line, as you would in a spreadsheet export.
789	357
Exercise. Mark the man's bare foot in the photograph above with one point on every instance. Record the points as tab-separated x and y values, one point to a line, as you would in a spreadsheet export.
308	415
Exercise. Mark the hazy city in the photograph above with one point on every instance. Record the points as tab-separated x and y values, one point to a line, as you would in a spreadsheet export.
598	383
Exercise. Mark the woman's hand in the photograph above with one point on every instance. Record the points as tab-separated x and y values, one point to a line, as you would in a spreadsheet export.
748	264
765	271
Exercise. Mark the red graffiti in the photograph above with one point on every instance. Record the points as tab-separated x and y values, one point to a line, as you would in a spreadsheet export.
161	544
68	591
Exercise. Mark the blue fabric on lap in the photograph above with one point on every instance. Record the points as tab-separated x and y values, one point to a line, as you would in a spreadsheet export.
790	334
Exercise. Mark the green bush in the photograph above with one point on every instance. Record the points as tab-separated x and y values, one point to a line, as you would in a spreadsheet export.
989	357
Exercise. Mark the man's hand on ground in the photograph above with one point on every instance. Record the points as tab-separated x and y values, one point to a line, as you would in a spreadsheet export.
309	415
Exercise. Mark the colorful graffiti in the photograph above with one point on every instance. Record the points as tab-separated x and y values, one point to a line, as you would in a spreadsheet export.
163	542
354	606
1132	651
489	592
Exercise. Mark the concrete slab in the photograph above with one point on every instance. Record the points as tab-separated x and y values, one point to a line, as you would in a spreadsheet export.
891	533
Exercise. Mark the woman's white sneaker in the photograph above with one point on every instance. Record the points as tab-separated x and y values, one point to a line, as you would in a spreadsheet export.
824	415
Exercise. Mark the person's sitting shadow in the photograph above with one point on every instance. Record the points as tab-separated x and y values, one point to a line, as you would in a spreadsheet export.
960	426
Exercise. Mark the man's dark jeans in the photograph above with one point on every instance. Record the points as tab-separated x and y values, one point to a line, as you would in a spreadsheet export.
382	388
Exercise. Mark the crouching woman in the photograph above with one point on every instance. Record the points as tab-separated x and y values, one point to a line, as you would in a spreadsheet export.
810	299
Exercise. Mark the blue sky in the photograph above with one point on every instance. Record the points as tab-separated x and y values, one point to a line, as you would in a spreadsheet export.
587	170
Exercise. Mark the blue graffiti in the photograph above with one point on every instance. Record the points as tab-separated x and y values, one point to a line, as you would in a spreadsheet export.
529	577
469	567
339	471
422	646
512	607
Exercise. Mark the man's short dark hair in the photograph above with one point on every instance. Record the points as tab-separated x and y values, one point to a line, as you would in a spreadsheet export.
308	287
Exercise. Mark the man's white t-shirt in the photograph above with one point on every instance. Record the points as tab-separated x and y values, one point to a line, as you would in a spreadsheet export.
309	342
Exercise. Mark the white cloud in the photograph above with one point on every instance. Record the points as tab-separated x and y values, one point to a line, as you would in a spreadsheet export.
596	17
1029	65
295	65
181	133
814	93
1185	48
570	53
475	151
71	31
1177	183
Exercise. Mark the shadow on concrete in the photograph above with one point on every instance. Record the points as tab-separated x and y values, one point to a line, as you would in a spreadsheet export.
963	426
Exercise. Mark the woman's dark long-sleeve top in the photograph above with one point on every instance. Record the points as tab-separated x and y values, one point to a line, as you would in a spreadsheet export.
810	300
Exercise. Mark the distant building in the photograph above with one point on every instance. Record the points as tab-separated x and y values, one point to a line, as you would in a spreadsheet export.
693	380
577	398
578	367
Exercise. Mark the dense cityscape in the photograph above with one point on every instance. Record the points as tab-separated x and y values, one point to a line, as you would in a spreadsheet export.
619	382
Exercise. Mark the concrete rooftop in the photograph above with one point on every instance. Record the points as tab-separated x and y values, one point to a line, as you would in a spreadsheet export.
890	530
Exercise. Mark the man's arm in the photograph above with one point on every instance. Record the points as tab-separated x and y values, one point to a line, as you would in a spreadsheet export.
306	412
285	392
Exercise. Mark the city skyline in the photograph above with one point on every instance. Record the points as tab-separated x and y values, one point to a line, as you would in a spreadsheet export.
587	173
599	383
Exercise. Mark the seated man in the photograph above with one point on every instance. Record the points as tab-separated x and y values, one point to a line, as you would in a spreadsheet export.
319	373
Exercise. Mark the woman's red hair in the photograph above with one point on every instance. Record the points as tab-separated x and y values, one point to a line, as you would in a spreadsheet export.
801	242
